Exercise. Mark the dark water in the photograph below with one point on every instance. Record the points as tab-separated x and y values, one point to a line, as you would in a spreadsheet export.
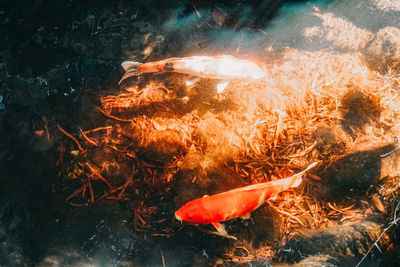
56	58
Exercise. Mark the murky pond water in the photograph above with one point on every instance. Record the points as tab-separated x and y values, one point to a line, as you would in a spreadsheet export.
60	61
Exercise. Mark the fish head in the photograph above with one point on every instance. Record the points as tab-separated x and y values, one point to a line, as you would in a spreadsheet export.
192	212
178	215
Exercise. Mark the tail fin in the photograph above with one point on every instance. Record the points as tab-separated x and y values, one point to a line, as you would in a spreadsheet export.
299	175
280	185
130	68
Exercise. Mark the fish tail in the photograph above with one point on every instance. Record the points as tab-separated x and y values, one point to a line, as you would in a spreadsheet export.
297	181
298	178
131	69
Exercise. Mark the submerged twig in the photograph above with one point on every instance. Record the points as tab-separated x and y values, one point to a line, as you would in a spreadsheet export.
96	173
113	117
394	222
91	141
70	136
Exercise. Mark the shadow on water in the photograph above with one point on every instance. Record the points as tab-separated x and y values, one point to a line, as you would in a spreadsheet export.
355	173
358	109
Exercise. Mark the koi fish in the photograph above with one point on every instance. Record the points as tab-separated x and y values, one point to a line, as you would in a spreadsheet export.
224	67
239	202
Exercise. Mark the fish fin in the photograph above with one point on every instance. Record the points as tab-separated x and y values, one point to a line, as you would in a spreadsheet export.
130	65
273	197
312	165
130	68
192	80
221	86
246	216
227	236
220	228
299	175
297	182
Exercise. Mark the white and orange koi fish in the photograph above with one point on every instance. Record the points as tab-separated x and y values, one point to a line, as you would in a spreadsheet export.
235	203
224	67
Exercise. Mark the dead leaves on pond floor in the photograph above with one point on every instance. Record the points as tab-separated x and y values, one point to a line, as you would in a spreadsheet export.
256	136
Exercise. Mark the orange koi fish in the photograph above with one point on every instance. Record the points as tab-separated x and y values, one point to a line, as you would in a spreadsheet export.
235	203
224	67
